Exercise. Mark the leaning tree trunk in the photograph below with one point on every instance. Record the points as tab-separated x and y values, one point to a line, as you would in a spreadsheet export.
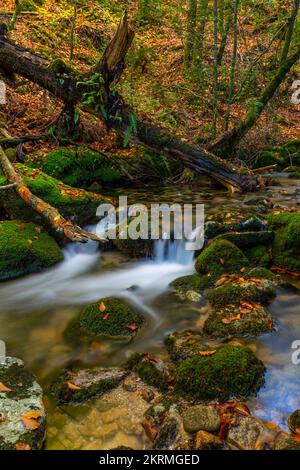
17	60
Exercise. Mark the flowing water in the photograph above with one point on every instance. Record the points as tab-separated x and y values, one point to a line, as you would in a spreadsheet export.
35	310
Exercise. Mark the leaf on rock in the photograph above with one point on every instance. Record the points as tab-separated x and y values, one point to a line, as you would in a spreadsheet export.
207	353
30	420
72	386
22	446
4	388
132	326
102	307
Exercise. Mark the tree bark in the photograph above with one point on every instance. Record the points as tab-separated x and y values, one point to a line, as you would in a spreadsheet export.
290	31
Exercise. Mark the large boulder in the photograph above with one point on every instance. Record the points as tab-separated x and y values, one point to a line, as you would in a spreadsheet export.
151	369
25	248
108	317
22	414
191	287
220	374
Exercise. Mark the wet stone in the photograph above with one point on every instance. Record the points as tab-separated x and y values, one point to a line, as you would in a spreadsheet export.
201	417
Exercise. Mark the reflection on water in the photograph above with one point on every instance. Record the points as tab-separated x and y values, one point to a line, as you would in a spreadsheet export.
35	310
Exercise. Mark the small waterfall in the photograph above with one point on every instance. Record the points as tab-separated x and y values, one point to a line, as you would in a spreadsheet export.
172	251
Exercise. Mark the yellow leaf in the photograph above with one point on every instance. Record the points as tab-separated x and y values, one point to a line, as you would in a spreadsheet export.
72	386
207	353
4	388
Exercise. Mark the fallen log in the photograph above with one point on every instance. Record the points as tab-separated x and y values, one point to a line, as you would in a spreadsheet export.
20	61
61	226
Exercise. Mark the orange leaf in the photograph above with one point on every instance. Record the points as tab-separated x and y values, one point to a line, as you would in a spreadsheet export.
22	446
30	420
105	316
229	320
29	241
72	386
102	307
207	353
4	388
132	326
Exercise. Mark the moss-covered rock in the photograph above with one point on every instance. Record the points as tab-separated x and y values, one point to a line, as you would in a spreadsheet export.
80	386
109	317
22	423
245	240
186	344
221	257
262	273
252	290
286	247
134	248
258	255
191	287
231	371
77	204
150	369
237	321
25	248
207	441
234	222
78	166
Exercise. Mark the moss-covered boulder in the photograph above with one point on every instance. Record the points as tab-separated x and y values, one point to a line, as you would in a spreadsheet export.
237	321
186	344
263	273
75	204
191	287
108	317
258	255
152	370
234	221
246	240
233	293
221	257
25	248
230	371
80	386
78	166
286	247
22	414
135	248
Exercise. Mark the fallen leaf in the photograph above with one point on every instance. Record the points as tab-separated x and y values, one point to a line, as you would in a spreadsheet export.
149	357
30	420
132	326
72	386
29	241
222	261
4	388
207	353
102	307
22	446
105	316
151	431
229	320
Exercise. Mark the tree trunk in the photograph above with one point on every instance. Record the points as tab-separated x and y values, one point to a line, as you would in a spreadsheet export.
290	31
191	26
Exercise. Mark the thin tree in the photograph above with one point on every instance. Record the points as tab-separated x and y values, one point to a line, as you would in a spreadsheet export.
215	70
233	63
73	28
290	31
202	15
191	26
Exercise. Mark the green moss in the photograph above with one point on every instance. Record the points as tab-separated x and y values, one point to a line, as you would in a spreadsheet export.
258	256
245	240
148	370
117	320
29	5
191	287
286	247
79	167
186	344
233	293
25	248
262	273
231	371
221	257
77	204
269	157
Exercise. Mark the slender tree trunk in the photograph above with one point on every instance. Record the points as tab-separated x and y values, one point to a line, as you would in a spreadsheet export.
226	143
233	64
73	27
224	37
191	26
290	31
199	35
216	70
14	18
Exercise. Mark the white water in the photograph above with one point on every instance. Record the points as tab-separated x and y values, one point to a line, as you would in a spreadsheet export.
79	279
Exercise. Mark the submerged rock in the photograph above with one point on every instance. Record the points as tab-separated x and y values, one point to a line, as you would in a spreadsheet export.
172	435
108	317
201	417
229	371
250	433
191	287
80	386
22	424
25	248
221	257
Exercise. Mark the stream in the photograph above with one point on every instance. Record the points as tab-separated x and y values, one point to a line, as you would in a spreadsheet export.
35	310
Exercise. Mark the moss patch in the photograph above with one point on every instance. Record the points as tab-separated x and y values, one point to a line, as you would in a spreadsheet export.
118	319
245	240
191	287
286	247
25	248
258	256
71	203
186	344
233	293
221	257
149	369
231	371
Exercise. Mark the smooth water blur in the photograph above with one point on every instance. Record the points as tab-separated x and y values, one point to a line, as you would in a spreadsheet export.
35	310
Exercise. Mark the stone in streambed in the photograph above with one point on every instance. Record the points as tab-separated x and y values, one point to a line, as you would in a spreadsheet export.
172	435
186	344
206	441
22	414
201	417
191	287
25	248
151	369
229	371
80	386
286	246
246	240
108	317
